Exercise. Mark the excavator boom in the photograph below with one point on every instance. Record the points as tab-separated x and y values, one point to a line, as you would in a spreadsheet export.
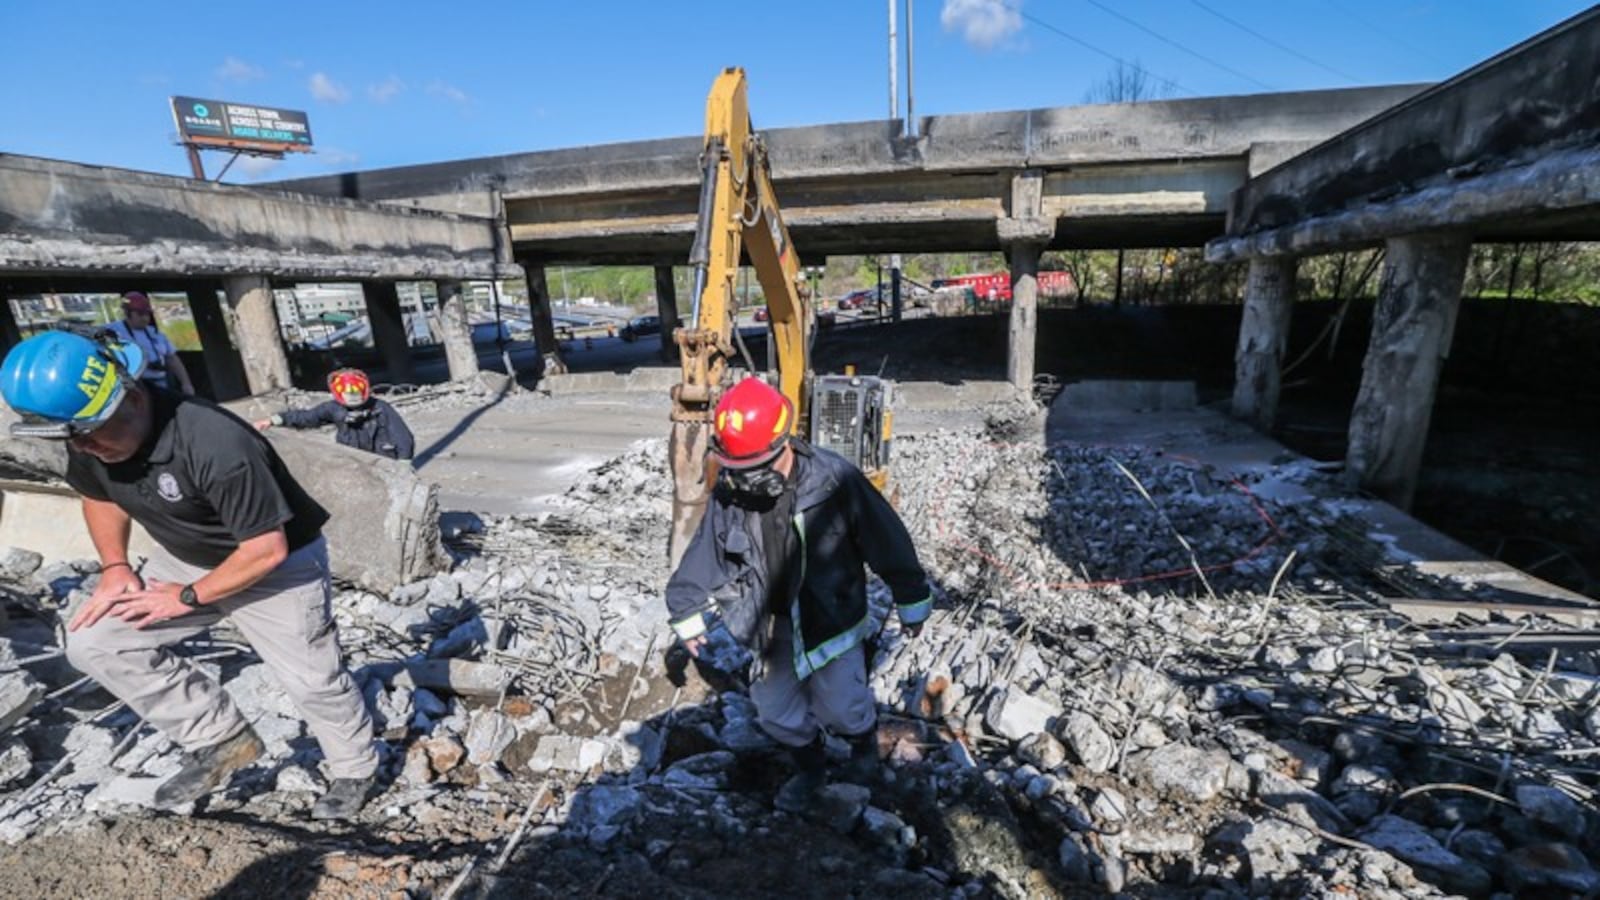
738	214
738	218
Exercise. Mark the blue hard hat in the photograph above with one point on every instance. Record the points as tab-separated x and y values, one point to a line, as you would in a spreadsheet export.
69	379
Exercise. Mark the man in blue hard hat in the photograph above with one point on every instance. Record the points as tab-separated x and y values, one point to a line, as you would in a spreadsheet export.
237	538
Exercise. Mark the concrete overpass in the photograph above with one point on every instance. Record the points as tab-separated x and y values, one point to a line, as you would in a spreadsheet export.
1503	151
1145	174
1121	175
66	227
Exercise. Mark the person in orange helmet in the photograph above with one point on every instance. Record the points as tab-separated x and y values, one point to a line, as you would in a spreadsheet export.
363	421
781	558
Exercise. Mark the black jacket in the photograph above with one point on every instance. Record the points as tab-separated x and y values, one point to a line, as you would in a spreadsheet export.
374	427
842	523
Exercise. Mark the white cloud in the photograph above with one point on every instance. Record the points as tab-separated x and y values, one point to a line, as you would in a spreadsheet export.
235	69
449	92
255	167
982	23
333	157
386	90
325	88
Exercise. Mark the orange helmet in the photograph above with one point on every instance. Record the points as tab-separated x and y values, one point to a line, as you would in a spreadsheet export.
752	425
350	387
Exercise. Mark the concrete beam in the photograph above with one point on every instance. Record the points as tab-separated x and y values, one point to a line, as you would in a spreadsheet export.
1535	101
1144	174
224	368
977	142
1412	326
255	320
383	531
59	217
460	356
1263	339
1555	198
389	335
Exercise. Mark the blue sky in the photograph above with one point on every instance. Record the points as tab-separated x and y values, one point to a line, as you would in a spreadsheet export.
408	82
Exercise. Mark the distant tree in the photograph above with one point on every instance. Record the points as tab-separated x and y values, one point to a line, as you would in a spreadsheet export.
1127	83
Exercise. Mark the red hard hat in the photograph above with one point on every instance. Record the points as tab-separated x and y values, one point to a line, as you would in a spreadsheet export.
752	425
345	381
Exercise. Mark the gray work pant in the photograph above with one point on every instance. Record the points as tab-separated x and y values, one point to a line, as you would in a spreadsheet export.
285	616
836	696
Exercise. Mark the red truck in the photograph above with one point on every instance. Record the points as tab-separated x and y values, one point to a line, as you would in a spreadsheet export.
995	287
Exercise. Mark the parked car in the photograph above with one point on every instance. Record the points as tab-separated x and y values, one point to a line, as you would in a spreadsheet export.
640	326
760	314
859	299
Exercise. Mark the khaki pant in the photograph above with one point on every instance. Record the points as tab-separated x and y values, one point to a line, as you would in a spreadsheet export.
835	696
285	616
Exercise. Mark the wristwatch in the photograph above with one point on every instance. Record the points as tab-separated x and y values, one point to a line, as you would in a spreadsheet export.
189	598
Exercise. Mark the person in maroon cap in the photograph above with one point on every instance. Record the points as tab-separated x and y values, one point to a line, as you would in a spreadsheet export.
138	326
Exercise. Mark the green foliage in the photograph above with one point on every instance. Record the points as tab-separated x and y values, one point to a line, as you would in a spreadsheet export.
182	333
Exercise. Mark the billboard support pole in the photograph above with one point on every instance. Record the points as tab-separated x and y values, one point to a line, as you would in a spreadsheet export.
195	165
229	164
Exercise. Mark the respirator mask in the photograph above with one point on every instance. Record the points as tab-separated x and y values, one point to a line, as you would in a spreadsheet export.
761	483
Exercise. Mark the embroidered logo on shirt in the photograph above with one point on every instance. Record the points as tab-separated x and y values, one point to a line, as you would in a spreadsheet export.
167	486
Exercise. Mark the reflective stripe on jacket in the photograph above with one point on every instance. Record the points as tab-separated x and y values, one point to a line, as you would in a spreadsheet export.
843	524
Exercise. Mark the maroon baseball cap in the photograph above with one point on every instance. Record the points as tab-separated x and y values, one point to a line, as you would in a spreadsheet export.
137	300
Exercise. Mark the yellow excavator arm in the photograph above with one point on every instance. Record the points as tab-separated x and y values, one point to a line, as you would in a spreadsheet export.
738	212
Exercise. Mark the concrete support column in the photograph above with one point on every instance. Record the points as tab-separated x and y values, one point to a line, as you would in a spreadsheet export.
1024	315
1263	339
10	331
459	354
544	323
1025	234
389	335
667	310
1412	326
224	369
255	323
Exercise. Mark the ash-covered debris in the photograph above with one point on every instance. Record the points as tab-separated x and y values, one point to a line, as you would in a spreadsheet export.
1085	712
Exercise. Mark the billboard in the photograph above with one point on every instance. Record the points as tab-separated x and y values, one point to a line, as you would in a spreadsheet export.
239	126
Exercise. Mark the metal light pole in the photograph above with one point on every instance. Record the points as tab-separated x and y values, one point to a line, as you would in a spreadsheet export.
911	105
894	64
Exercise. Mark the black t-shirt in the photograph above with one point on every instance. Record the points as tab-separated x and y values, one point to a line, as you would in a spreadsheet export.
203	483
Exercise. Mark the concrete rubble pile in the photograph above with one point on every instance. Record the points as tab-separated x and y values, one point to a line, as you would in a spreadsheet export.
1065	721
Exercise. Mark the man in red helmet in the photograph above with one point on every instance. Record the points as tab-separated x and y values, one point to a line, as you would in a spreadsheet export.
363	421
780	556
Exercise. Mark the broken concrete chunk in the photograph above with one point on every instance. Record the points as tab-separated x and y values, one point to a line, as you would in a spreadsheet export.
16	762
1551	807
16	564
565	753
604	804
1042	751
1184	773
1089	742
1412	844
1014	715
19	692
488	736
1560	866
839	806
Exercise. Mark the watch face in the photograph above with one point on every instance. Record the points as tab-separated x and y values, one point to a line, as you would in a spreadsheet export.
188	597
